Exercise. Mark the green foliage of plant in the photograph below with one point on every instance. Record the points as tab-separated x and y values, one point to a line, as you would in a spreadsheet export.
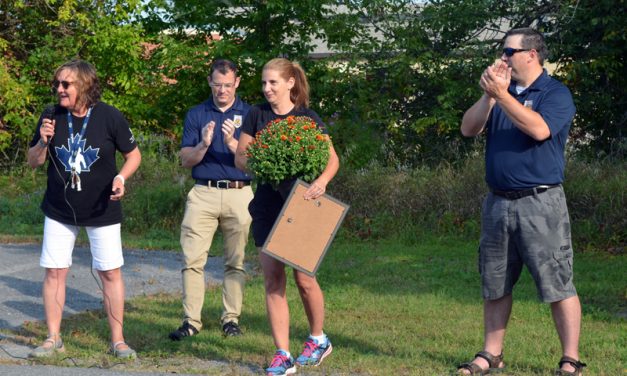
42	34
596	194
21	190
288	148
155	199
448	199
399	77
384	201
589	47
15	98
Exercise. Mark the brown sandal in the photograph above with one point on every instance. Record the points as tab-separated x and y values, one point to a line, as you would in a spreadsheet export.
474	369
575	363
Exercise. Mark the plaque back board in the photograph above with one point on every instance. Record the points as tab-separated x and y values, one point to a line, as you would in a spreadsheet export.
304	229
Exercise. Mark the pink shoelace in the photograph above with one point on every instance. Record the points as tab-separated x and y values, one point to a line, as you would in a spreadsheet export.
310	347
278	360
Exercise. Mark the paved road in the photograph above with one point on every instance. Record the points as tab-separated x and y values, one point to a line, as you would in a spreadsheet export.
68	371
56	371
145	272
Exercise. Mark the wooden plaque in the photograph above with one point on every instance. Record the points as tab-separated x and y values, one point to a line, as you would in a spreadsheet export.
304	229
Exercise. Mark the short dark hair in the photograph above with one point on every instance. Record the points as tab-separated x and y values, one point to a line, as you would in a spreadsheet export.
532	39
223	66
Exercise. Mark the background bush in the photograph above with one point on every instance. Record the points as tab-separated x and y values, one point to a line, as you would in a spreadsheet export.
447	199
385	202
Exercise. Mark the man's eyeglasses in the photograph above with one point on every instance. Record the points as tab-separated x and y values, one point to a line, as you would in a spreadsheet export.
509	52
222	86
65	84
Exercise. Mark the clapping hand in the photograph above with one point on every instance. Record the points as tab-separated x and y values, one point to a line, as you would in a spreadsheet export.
495	79
207	133
228	130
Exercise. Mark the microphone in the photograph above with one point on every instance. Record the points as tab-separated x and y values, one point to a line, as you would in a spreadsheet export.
48	114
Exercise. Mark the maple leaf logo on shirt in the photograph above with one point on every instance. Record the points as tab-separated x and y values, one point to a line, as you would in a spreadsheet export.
84	157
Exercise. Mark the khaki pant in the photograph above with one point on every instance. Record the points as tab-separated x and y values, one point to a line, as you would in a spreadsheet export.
208	208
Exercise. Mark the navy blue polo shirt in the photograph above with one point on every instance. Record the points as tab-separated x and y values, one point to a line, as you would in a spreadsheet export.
218	162
515	161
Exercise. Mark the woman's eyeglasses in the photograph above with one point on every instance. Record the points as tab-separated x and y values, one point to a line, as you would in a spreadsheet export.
509	52
65	84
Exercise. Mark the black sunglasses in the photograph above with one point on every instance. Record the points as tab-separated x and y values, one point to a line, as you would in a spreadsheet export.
509	52
65	84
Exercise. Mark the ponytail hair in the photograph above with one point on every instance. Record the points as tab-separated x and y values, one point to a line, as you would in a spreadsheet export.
299	94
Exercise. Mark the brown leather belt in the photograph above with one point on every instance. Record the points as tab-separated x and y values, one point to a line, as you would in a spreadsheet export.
515	195
223	184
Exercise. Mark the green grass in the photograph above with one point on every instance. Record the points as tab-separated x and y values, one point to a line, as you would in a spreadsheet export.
410	305
401	281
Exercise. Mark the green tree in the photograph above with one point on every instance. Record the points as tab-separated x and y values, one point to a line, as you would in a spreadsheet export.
37	36
424	61
250	33
588	43
393	90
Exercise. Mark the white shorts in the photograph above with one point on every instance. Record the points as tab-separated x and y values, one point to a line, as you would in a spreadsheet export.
105	243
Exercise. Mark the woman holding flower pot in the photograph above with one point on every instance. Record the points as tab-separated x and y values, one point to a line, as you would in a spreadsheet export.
286	90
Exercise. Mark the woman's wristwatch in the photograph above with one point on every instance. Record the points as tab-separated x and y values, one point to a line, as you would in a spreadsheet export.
42	143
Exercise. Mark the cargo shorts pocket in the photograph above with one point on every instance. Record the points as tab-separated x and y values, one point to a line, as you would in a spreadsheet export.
564	265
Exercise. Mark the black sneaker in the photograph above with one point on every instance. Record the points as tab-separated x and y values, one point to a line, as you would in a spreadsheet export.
185	330
231	329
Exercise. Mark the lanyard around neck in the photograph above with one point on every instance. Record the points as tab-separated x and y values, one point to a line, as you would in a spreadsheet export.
76	141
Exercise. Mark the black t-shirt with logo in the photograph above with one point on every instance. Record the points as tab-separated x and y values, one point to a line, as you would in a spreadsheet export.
94	160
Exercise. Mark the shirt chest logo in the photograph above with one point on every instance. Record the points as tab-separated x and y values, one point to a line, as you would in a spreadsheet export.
528	103
77	160
237	121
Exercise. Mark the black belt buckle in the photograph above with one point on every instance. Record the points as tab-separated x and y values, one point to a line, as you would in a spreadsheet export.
222	184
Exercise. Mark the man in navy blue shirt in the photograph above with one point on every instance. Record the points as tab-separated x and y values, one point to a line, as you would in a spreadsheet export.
219	198
526	116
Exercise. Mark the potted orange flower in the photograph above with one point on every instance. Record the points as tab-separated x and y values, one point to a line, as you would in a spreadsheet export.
287	149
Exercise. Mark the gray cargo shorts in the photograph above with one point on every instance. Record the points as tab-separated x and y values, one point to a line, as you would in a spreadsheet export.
532	231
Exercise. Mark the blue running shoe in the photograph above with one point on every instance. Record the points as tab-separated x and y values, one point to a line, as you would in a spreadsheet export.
281	365
314	353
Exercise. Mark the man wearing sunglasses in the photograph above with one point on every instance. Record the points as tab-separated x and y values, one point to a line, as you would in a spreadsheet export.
526	116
